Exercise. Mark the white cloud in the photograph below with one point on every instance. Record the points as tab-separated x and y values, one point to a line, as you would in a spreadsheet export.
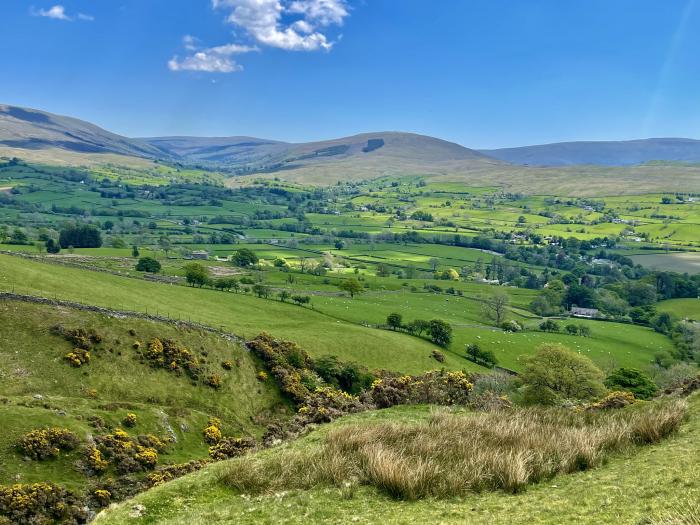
267	21
58	12
210	60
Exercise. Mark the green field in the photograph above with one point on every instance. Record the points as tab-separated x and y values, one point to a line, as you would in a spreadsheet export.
243	315
682	308
676	262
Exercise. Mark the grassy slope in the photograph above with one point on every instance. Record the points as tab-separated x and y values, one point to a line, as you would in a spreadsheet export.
31	364
681	308
590	181
243	315
630	488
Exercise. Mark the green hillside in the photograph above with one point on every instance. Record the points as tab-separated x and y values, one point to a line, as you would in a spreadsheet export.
247	316
631	488
40	388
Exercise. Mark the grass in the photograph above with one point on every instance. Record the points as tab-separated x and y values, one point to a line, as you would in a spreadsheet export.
247	316
631	487
681	308
39	389
452	455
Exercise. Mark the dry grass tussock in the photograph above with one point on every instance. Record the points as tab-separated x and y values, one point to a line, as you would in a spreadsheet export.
683	514
453	454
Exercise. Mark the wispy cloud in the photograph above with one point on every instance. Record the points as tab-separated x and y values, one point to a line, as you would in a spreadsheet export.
295	25
210	60
58	12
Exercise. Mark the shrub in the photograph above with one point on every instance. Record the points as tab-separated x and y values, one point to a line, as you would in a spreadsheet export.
172	356
171	472
77	358
439	388
511	326
438	356
613	400
262	376
230	447
47	443
40	503
550	326
94	460
125	453
148	264
227	365
212	432
214	381
555	373
129	420
631	380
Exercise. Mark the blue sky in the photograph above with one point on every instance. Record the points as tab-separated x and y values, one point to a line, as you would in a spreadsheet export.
484	73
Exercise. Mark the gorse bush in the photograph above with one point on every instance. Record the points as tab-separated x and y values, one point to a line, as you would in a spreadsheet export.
40	503
230	447
450	454
47	443
125	453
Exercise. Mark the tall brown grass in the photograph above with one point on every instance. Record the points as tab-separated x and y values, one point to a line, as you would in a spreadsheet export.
451	454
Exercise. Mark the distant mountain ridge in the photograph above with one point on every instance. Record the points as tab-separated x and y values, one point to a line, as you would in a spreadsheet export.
31	129
39	134
603	153
271	155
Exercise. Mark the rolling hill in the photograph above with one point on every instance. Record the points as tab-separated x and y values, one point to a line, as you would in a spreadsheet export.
613	153
30	129
371	149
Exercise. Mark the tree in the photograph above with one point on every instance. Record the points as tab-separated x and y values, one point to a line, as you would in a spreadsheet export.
244	258
148	264
135	251
80	236
261	291
339	244
556	373
578	295
394	320
631	380
196	274
440	332
495	306
352	286
662	323
383	270
164	243
52	246
480	356
284	295
280	263
418	326
223	284
18	237
301	299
